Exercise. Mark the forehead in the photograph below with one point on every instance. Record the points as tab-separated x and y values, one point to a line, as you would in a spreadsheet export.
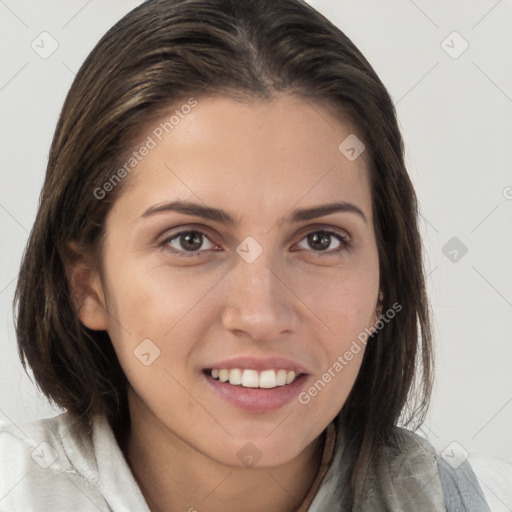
259	157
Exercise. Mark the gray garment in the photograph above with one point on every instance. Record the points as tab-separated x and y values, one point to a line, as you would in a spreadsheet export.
51	465
411	478
462	492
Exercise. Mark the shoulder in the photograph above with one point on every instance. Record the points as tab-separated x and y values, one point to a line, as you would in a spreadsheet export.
495	478
469	481
408	472
39	442
42	466
43	442
405	451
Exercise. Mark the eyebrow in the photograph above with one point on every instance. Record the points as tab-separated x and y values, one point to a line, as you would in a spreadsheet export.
223	217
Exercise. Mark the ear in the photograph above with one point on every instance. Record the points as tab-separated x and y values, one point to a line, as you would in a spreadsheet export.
380	304
86	289
378	310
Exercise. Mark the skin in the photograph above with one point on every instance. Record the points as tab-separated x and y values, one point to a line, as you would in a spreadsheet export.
258	161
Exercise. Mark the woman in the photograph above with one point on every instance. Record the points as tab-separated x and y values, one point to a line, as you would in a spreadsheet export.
223	287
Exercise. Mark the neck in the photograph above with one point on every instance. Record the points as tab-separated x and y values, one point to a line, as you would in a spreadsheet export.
175	477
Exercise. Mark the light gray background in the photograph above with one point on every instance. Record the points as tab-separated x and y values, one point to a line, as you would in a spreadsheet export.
456	119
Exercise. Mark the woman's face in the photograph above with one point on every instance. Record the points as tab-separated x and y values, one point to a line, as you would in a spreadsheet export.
215	259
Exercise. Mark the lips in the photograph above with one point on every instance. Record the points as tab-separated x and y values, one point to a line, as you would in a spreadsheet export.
256	384
259	364
256	400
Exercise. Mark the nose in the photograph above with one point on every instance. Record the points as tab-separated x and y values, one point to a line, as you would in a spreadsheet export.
259	303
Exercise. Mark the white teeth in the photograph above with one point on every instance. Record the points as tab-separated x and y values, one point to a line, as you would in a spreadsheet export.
267	379
250	379
281	377
235	377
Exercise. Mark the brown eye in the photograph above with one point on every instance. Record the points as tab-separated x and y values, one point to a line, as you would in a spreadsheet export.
322	241
188	241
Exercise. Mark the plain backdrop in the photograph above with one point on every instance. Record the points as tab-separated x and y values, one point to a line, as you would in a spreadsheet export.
447	66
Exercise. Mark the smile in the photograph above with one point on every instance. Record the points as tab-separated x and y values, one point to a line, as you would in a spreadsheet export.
250	378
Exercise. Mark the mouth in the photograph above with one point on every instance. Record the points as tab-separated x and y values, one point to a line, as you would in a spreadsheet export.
250	378
255	391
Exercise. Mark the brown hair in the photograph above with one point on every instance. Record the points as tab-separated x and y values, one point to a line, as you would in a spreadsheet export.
166	50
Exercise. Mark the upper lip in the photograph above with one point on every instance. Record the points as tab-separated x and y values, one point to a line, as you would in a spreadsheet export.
260	364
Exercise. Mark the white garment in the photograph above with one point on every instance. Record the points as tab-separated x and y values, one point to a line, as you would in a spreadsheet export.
49	465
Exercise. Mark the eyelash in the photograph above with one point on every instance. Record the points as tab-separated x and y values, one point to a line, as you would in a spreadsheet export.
344	243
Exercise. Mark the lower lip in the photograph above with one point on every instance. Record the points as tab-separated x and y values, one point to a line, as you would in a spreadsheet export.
257	399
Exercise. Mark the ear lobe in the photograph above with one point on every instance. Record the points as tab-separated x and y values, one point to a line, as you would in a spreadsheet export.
378	310
86	290
380	303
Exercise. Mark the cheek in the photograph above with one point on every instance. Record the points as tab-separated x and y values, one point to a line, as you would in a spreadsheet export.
343	300
150	332
154	299
157	315
329	390
344	304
